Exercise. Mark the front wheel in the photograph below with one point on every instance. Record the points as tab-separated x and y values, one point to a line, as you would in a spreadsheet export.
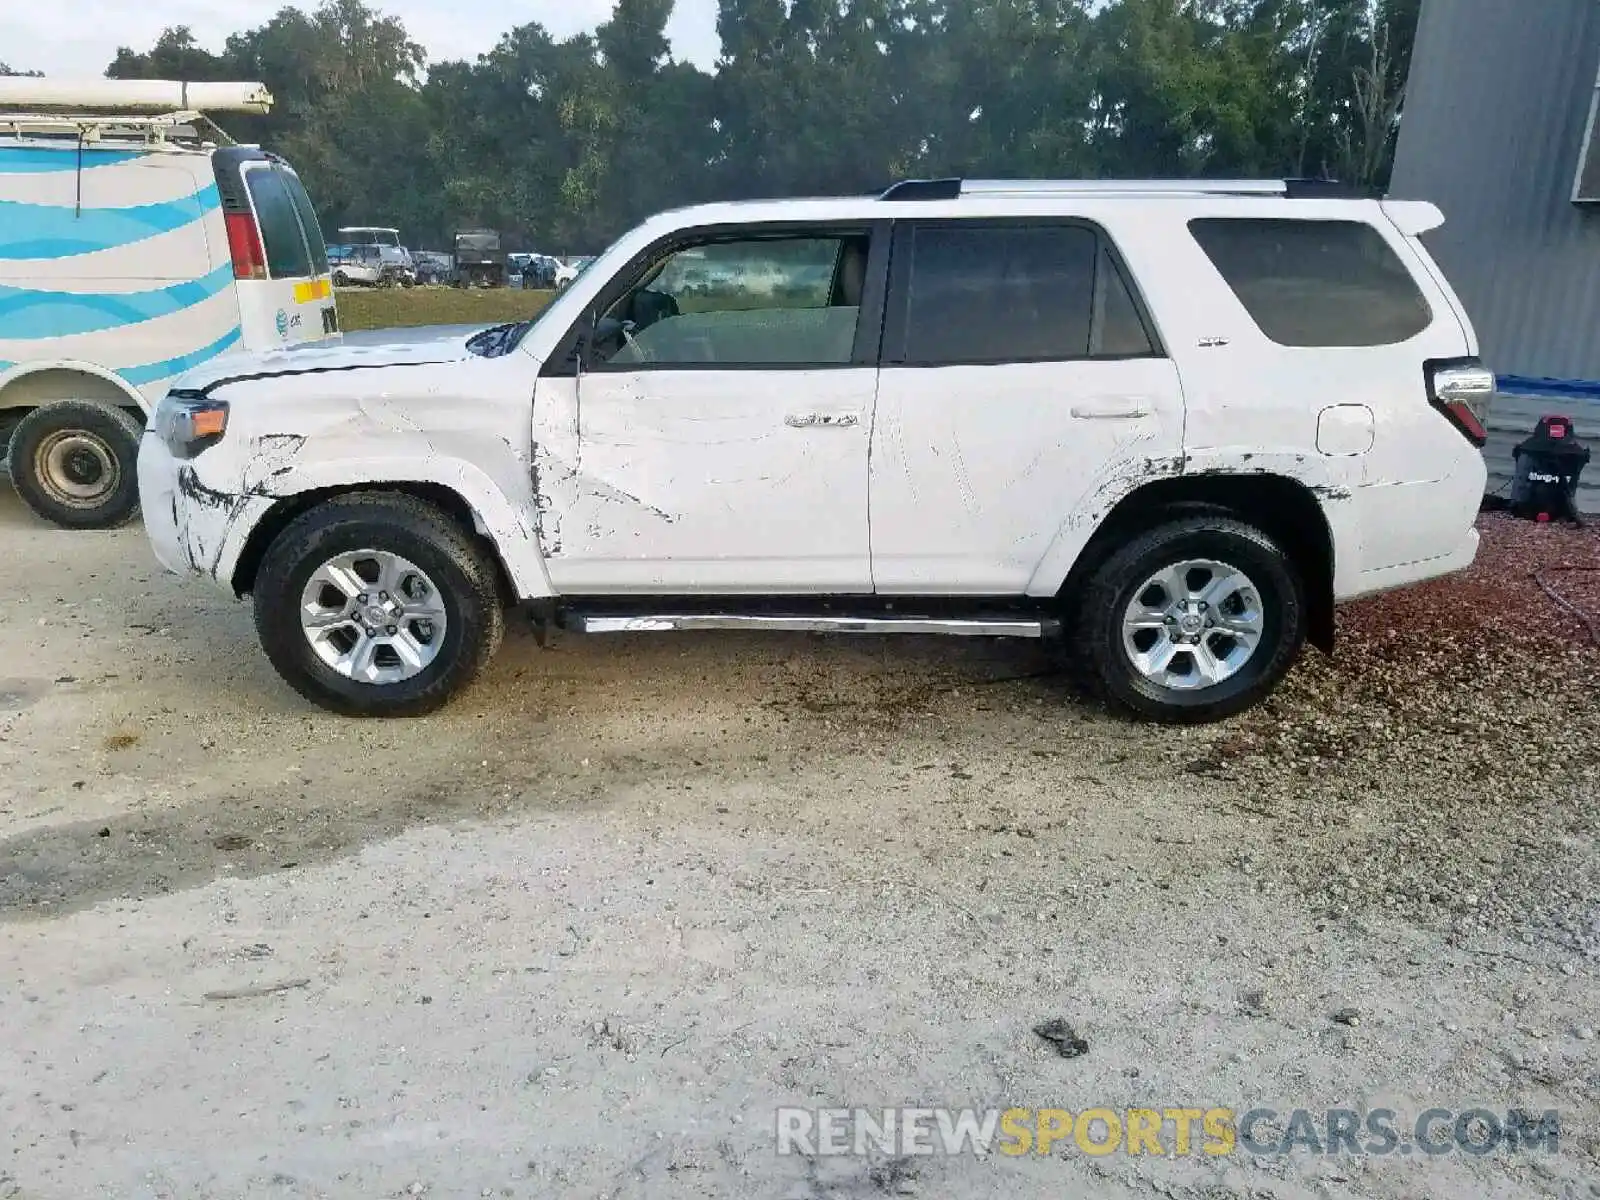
377	605
74	462
1194	621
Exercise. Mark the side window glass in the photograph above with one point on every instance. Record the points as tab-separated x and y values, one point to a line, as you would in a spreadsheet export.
1119	330
780	301
993	294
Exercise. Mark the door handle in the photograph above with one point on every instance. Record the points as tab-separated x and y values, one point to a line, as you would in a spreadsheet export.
1116	410
816	420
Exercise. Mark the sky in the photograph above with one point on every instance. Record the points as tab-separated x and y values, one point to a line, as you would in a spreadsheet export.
67	38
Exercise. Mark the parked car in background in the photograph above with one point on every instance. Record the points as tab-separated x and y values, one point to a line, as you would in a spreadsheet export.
480	262
1171	424
361	266
133	247
566	274
541	272
396	264
434	267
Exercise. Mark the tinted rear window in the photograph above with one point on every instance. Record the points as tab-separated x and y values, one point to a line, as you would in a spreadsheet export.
999	293
1316	283
308	220
287	254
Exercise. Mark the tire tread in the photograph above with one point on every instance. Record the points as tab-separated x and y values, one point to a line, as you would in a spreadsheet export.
282	639
1096	618
94	416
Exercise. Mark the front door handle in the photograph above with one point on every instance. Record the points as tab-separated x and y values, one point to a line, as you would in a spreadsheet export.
1116	410
816	420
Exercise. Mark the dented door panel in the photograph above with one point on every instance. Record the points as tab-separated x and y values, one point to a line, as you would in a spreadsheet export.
702	481
978	472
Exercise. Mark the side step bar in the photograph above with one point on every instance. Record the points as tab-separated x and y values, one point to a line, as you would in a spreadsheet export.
1019	627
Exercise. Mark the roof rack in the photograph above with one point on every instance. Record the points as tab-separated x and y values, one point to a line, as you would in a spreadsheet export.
153	111
957	189
182	128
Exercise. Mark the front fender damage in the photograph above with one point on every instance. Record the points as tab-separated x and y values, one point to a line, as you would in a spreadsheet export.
209	518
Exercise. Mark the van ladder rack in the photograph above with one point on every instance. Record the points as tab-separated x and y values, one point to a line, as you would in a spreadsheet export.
177	127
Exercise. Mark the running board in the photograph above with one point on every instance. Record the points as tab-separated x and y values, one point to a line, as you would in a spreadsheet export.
1018	627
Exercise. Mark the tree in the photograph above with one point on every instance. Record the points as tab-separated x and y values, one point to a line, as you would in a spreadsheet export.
563	144
176	55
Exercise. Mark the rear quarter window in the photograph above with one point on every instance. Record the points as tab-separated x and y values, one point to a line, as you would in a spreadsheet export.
1316	283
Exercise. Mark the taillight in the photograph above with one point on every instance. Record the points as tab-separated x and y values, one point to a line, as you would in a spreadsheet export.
244	245
1462	389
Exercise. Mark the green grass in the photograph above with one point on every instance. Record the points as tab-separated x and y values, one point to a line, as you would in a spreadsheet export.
392	308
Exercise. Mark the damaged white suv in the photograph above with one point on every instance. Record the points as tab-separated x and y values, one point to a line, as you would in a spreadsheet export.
1172	423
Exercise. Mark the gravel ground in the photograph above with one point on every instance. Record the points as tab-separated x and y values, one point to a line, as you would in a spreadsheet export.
580	934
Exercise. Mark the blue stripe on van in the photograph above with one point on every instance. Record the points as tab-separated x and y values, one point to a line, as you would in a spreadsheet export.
51	231
31	160
151	372
25	313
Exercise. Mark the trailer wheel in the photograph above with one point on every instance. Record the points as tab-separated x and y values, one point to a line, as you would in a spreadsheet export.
75	463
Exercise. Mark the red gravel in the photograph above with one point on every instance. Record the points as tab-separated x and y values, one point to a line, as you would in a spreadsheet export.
1501	593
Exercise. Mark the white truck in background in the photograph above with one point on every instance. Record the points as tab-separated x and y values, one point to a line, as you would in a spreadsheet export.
136	242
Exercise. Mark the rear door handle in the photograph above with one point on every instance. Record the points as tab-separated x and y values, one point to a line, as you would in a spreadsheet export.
1114	410
822	420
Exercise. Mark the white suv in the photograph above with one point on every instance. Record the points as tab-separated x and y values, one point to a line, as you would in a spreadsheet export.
1174	423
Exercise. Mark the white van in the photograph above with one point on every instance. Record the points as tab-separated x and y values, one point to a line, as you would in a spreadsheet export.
133	248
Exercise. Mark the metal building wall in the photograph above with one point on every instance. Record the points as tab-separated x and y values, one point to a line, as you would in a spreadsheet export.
1495	114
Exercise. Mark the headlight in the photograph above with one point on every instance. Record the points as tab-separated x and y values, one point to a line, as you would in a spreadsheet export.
188	423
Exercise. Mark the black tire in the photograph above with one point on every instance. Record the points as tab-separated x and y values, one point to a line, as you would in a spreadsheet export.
1114	586
75	463
415	530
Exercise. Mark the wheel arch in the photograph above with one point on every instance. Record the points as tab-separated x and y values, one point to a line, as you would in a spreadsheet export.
33	384
1283	508
447	500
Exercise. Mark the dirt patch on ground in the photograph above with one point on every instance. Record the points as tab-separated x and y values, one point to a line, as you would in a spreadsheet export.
582	933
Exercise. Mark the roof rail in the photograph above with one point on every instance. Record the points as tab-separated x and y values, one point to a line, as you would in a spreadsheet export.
955	189
924	189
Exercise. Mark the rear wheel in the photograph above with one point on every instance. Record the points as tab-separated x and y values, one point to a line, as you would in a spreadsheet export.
74	462
377	606
1193	621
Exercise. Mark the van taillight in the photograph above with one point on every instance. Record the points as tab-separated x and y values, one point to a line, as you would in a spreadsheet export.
1461	389
244	245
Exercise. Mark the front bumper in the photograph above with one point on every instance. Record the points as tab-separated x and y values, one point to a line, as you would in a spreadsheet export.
194	529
